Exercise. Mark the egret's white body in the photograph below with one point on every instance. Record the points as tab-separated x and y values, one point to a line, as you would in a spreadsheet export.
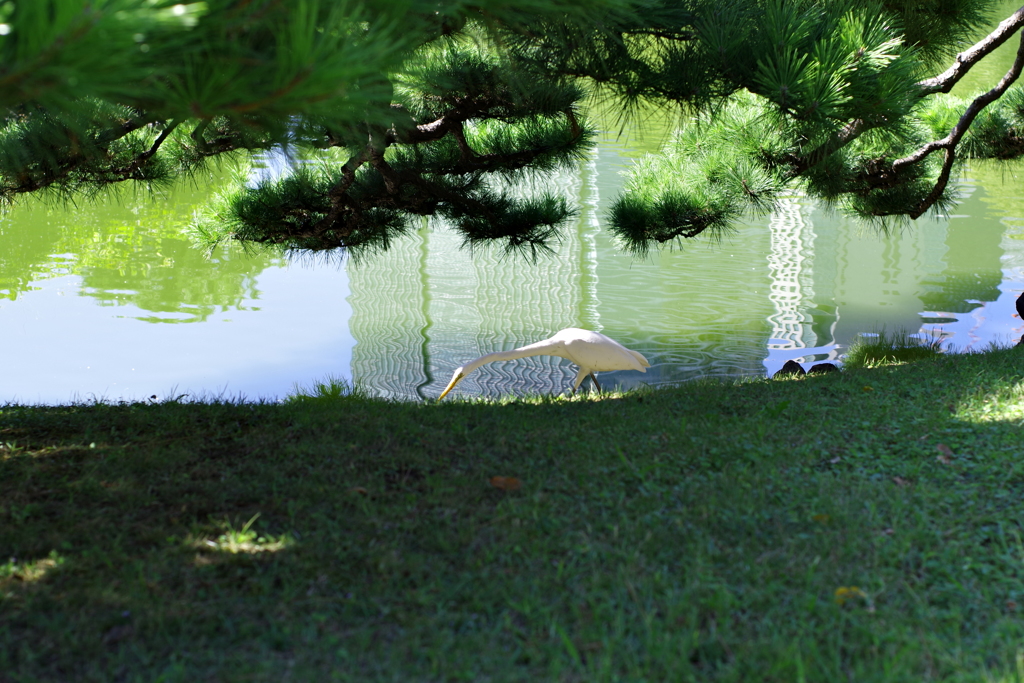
591	351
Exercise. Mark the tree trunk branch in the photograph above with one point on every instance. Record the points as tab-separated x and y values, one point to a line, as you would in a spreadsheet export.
945	81
845	136
466	152
129	126
340	189
950	142
145	156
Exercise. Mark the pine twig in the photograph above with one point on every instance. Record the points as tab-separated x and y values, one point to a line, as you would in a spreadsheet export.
129	126
164	134
843	137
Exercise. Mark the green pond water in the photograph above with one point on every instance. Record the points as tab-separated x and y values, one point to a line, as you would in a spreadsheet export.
111	301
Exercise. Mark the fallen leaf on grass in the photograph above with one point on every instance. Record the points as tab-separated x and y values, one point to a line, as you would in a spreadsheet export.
821	518
506	483
945	454
869	388
844	593
359	489
900	481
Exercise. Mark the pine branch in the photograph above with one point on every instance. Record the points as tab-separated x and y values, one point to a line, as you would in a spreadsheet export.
964	61
459	133
131	170
128	126
427	132
944	82
840	139
666	34
168	129
950	142
198	132
425	194
78	156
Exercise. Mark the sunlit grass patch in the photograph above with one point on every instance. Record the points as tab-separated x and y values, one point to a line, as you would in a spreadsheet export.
884	348
8	448
244	540
1004	403
27	572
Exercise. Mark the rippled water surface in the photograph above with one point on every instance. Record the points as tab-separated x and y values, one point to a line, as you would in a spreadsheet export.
113	302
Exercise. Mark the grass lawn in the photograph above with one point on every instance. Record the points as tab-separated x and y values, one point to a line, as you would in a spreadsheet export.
856	526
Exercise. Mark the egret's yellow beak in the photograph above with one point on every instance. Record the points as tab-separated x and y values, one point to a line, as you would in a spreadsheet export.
451	385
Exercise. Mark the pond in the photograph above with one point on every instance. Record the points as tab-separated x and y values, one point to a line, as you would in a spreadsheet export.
800	285
111	301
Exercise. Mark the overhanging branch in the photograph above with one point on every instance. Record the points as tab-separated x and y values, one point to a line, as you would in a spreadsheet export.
843	137
945	81
427	193
950	142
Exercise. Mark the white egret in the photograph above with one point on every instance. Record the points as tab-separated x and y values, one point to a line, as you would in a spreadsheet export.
591	351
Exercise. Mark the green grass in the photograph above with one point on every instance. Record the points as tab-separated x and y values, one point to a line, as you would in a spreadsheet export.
886	348
330	389
864	525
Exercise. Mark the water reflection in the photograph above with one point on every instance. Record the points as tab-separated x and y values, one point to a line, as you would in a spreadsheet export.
80	288
801	285
128	251
428	302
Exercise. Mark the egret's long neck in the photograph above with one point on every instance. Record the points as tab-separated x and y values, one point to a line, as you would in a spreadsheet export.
541	348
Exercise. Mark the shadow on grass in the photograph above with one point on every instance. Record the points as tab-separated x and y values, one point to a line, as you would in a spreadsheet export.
864	524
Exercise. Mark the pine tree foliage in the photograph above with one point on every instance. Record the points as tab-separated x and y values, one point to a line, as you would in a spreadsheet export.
707	176
833	98
468	121
394	111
